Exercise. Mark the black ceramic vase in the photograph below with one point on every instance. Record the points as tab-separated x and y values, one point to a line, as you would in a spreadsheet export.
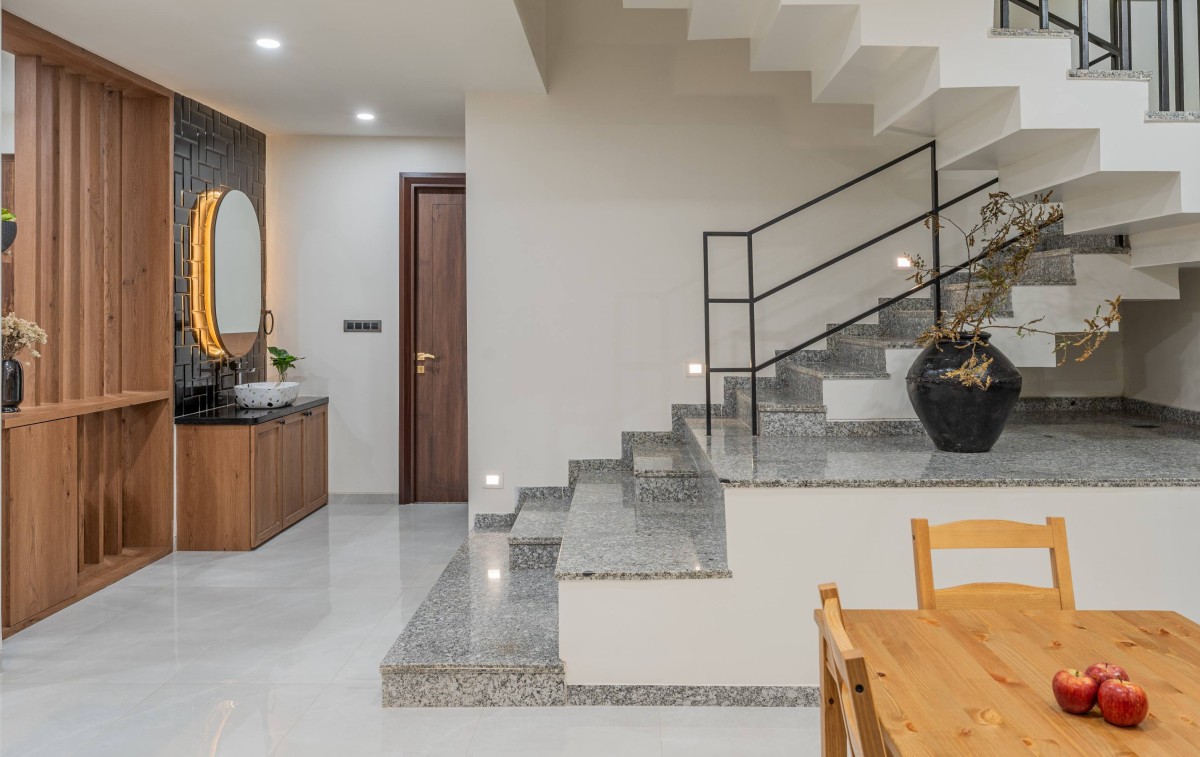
8	229
12	385
956	417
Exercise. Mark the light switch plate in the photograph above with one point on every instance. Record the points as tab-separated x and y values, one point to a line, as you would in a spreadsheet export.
363	327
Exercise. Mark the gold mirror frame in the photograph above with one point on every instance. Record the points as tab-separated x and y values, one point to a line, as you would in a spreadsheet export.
203	283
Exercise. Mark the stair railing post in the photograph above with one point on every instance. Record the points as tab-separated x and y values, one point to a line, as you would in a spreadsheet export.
1084	45
753	355
707	347
1124	34
1164	62
1004	14
1044	14
936	239
1178	54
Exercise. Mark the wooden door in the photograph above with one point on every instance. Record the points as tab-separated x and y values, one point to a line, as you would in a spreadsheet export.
266	515
316	462
41	525
291	469
439	394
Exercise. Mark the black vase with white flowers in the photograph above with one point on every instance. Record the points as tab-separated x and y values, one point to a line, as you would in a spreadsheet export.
961	386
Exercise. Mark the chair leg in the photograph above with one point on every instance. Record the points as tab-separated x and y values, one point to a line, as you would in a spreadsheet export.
833	726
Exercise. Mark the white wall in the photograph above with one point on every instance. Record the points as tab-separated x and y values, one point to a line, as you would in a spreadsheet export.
1162	347
333	245
585	213
756	628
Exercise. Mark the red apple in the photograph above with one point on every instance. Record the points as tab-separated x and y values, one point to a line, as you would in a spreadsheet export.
1123	703
1105	671
1074	691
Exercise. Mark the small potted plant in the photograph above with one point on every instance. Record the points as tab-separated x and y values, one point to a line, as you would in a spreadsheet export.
18	334
8	227
282	361
961	386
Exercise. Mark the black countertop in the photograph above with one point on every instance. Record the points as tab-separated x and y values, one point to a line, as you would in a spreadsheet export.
232	415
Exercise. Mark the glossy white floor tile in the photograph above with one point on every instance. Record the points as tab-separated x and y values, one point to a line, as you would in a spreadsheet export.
276	652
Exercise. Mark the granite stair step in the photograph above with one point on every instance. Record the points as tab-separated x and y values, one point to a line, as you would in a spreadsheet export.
610	535
537	533
485	636
867	351
664	473
783	410
1053	238
955	296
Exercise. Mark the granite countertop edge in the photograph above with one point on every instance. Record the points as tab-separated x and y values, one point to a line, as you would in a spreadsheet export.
232	415
466	667
655	575
1124	483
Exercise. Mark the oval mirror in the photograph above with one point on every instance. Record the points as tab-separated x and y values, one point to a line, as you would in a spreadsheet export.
234	274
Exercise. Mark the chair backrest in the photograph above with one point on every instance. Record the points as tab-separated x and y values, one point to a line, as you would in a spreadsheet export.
848	707
993	534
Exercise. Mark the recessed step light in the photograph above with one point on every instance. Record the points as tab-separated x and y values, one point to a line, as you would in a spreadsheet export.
365	116
268	43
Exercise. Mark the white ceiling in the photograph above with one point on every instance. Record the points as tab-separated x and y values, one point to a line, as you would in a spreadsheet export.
408	61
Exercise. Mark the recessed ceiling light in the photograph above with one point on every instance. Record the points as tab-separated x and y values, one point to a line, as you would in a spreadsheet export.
269	44
365	116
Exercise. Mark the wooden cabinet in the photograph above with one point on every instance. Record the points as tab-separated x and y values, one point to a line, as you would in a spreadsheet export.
241	484
41	524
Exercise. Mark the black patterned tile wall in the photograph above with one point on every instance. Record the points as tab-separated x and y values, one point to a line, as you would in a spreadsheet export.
212	151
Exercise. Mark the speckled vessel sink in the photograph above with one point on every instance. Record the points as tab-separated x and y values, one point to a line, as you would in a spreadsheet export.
266	394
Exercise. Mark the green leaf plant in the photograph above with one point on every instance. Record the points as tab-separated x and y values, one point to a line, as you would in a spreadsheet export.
282	361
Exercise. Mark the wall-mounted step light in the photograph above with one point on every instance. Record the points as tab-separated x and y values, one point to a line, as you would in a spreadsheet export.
493	480
363	327
695	369
904	263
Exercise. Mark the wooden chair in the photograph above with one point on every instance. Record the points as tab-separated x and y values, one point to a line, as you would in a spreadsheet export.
847	706
993	534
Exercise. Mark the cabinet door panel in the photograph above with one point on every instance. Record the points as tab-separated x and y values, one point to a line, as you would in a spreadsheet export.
316	458
266	514
291	464
41	519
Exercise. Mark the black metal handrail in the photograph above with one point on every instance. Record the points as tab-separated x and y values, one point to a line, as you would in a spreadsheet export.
752	297
1119	50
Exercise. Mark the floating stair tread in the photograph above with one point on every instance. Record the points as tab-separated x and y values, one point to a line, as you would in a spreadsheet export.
882	342
663	461
1173	116
540	521
923	304
612	536
471	622
1031	33
1107	75
838	369
783	399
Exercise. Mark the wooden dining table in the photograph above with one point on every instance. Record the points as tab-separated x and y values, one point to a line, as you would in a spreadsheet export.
977	682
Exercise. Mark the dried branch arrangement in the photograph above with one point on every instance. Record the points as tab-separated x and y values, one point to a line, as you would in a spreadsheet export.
1008	232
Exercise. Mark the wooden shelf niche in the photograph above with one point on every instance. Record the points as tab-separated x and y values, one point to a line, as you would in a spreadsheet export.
87	462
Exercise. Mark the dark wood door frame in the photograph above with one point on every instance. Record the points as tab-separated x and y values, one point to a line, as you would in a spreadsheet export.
410	184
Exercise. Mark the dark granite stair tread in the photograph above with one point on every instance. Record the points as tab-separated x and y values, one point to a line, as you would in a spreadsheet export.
783	399
472	621
910	303
612	536
838	369
663	461
541	521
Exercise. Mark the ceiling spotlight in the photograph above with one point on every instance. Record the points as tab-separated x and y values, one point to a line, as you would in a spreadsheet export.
269	44
365	116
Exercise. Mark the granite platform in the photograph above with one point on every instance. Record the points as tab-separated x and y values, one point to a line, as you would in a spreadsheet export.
486	636
1040	447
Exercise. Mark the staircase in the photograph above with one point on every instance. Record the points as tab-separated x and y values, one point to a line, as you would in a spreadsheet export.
856	384
644	538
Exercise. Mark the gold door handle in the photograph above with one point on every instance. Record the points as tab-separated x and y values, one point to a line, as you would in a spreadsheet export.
426	356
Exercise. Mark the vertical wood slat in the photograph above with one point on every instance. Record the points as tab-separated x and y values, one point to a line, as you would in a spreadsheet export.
146	337
27	175
111	148
92	493
91	242
49	262
111	472
68	290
